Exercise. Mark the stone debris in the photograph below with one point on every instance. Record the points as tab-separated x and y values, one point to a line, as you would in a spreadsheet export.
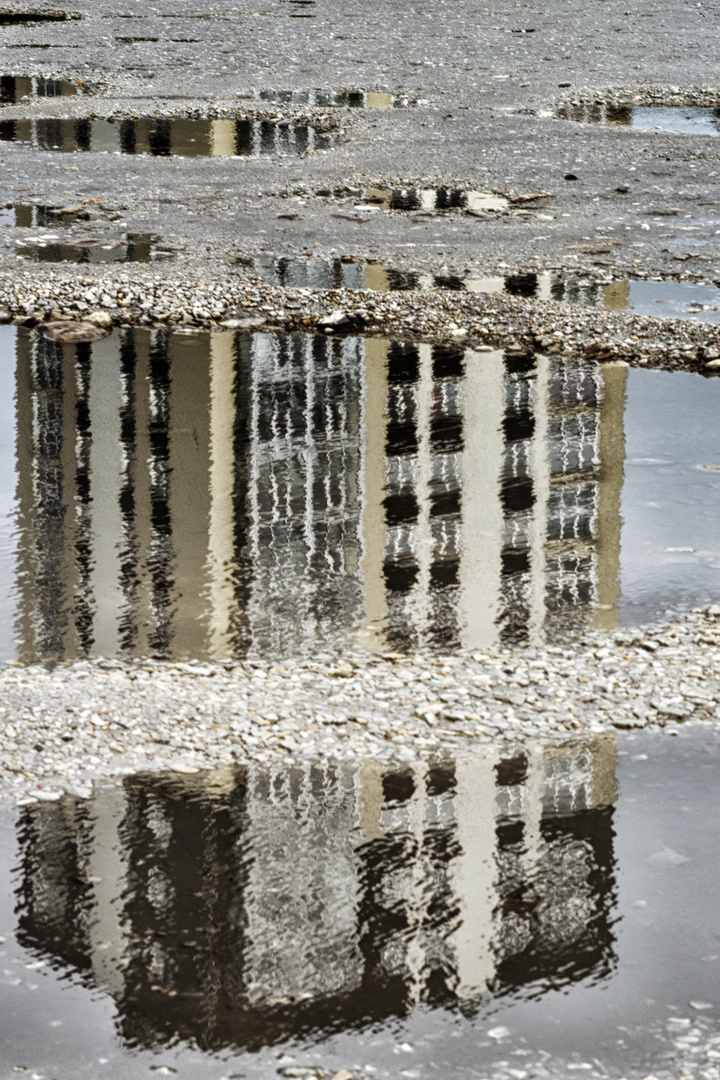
119	299
63	727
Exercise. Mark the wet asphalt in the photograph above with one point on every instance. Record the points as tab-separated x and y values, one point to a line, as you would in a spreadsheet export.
486	78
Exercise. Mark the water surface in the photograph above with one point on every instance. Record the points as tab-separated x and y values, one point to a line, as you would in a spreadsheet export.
482	913
681	120
235	493
164	136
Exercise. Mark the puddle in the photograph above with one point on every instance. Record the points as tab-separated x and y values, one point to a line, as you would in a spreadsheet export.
433	199
41	215
133	247
347	99
264	494
480	914
164	137
14	88
20	18
663	299
677	119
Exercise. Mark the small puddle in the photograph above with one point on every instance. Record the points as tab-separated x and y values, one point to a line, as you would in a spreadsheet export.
15	88
346	99
383	495
133	247
20	18
663	299
451	914
166	136
42	215
681	120
432	199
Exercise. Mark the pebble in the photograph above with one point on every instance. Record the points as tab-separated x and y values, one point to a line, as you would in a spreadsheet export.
62	728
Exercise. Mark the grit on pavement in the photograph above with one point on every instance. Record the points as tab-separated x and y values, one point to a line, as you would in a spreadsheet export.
477	86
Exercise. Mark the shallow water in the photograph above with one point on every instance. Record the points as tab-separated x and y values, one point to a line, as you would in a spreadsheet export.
42	215
164	136
234	493
479	914
15	88
682	120
132	247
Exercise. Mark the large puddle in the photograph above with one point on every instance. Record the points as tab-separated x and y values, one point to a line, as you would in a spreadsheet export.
234	493
538	912
681	120
164	136
666	299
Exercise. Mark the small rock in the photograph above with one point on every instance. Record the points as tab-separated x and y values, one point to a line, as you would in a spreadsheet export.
714	365
99	318
341	320
72	331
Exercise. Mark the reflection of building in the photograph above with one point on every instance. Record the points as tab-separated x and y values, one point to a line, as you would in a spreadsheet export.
206	495
267	902
132	247
14	88
165	135
598	112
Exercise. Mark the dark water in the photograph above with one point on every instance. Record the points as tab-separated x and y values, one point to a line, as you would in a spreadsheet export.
20	18
681	120
163	136
666	299
479	914
231	493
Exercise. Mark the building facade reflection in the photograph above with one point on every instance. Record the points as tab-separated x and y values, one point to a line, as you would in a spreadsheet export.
266	903
163	136
224	494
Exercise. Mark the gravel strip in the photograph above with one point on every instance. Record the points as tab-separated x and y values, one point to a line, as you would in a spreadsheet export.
40	296
60	729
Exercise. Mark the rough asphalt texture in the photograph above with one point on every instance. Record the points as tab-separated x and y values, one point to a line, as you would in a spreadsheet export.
483	75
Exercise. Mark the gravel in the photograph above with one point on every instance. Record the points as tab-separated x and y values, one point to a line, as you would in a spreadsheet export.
34	297
62	728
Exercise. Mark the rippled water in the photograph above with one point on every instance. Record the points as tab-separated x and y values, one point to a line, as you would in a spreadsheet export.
234	493
473	915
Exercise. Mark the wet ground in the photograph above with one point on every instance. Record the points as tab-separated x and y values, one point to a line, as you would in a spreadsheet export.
520	914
